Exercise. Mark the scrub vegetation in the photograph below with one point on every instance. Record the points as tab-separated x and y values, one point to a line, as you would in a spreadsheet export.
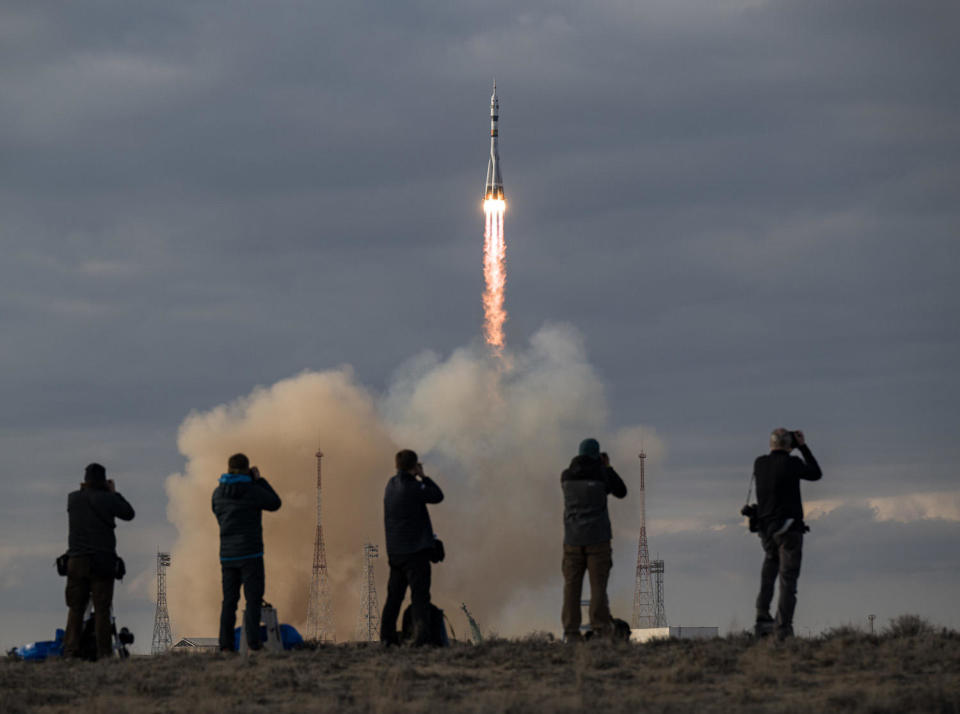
910	666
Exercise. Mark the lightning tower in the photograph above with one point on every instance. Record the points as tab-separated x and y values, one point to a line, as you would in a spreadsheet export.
319	616
368	625
644	609
659	612
162	637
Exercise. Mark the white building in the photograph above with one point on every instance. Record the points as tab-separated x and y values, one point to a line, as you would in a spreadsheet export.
197	644
645	634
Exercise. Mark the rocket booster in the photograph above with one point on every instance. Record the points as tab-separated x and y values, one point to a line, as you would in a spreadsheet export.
494	185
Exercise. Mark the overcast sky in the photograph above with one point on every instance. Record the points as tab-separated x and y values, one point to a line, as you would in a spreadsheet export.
748	209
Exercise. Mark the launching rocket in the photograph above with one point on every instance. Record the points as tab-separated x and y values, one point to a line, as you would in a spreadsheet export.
494	186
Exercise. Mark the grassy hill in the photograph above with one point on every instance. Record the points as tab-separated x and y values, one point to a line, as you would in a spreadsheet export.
911	667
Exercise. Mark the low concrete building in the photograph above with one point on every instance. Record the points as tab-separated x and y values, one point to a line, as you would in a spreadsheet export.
197	644
645	634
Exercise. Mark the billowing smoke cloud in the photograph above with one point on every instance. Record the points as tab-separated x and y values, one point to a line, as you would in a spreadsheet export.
495	440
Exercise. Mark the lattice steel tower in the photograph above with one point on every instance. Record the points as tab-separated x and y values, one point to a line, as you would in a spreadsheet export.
659	612
319	611
162	637
644	609
368	624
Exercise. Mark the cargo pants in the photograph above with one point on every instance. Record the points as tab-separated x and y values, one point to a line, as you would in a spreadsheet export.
82	585
782	556
596	559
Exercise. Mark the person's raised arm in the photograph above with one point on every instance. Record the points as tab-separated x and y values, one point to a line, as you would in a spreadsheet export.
120	508
615	484
811	469
267	498
429	490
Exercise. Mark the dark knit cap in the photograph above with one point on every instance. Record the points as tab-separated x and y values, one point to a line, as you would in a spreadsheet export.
95	473
591	448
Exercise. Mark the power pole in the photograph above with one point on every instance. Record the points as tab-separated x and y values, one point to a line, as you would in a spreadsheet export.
368	625
871	618
644	613
319	615
162	637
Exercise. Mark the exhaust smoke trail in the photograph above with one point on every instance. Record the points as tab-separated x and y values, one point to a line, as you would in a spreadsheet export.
496	441
494	274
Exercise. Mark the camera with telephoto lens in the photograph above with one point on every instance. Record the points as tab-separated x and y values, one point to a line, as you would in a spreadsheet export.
752	512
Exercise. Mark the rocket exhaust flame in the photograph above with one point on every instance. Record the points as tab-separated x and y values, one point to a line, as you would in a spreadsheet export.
494	274
494	248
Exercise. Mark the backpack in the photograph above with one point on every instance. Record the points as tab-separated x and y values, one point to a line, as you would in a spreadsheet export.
436	628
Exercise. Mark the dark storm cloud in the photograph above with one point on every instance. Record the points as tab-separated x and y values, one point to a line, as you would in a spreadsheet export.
749	209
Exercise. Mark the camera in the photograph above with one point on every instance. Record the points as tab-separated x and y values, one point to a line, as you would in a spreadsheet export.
752	512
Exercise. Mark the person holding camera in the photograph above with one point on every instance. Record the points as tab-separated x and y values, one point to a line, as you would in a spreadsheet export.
411	545
238	503
92	557
779	521
586	537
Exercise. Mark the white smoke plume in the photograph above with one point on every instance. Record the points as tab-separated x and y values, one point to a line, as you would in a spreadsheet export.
494	439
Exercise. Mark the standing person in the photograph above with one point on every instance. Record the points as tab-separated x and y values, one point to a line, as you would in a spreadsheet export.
238	502
92	557
586	537
780	515
410	543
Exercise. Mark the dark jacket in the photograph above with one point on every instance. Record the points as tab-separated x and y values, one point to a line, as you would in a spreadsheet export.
91	512
238	503
778	476
586	484
405	518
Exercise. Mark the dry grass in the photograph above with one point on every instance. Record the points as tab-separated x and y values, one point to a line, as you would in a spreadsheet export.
910	667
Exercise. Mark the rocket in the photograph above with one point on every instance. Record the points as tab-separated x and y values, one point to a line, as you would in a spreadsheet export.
494	186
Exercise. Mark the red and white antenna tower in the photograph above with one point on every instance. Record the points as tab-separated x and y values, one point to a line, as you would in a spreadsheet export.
644	607
319	614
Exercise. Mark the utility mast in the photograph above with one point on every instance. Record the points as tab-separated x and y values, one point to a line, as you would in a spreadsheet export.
368	625
659	612
644	611
319	615
162	637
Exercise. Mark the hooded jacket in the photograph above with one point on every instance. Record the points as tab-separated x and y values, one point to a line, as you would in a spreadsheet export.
586	484
91	513
406	522
238	503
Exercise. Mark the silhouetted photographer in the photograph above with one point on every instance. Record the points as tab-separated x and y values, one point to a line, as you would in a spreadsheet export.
411	546
778	518
587	536
239	500
91	562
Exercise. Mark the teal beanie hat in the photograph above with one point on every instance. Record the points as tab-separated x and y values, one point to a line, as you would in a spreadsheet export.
590	447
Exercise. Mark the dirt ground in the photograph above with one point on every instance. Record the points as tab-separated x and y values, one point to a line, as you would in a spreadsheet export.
915	669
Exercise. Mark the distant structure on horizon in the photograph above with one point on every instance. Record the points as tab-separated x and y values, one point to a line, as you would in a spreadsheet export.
659	612
319	609
162	637
648	605
368	624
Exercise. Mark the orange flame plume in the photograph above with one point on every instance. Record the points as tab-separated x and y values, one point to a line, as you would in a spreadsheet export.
495	274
